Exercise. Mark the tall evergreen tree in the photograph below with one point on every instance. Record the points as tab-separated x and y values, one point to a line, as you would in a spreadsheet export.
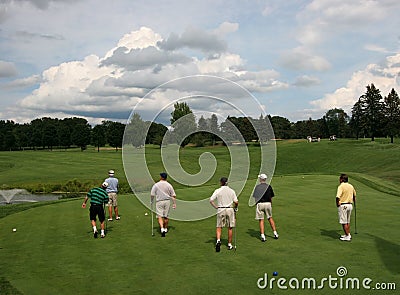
183	122
356	121
372	110
392	114
214	128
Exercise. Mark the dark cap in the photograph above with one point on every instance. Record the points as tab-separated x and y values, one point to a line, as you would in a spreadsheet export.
163	175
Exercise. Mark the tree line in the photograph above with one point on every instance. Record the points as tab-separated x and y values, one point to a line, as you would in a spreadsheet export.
371	116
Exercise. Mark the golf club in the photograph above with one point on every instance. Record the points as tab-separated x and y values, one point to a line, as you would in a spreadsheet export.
234	230
152	222
355	218
105	218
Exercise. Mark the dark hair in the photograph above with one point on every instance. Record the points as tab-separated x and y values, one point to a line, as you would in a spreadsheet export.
164	175
344	177
223	180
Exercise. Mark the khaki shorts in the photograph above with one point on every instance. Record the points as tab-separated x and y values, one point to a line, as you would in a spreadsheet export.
226	218
162	208
112	199
262	208
345	213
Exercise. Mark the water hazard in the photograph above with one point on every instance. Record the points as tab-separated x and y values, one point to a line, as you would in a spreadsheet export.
16	196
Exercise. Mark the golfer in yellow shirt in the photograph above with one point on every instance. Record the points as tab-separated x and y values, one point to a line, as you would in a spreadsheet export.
345	197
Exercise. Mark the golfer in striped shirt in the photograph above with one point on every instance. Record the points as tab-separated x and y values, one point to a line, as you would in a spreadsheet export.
98	197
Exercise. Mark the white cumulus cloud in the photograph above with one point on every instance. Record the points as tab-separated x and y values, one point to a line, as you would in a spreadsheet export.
384	76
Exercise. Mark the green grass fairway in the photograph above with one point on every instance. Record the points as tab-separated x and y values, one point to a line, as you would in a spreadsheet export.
53	250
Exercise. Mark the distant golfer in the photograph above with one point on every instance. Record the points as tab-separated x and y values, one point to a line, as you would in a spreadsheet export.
227	202
263	194
98	196
112	191
345	197
163	192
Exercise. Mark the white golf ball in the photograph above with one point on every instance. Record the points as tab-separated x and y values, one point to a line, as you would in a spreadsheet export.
146	214
14	229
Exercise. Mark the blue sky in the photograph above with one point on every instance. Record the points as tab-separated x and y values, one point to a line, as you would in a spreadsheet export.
98	59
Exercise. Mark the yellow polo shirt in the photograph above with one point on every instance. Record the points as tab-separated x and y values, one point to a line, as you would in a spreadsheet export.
345	192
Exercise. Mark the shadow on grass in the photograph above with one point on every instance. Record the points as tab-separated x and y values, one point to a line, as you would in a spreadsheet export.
253	233
7	288
256	234
334	234
390	254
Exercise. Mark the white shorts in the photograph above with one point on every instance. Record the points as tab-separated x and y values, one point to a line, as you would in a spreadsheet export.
345	213
162	208
226	218
112	199
262	208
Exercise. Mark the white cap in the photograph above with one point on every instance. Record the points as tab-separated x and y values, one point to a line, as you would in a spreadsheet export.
262	176
105	184
111	172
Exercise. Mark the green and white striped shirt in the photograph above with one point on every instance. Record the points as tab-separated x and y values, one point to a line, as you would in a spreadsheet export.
97	196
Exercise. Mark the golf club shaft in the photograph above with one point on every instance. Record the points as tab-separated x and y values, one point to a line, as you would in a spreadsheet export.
152	221
105	217
234	233
355	218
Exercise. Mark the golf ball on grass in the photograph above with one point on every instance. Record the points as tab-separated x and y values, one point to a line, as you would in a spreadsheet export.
14	229
146	214
275	273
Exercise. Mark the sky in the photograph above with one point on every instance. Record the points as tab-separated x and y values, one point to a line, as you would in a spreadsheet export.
100	59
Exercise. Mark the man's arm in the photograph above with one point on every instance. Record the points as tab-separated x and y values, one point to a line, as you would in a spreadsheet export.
84	202
337	202
213	204
174	202
236	204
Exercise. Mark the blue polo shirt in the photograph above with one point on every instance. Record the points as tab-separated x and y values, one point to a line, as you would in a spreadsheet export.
112	185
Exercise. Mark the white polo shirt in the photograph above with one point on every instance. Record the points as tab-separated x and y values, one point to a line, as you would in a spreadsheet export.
225	197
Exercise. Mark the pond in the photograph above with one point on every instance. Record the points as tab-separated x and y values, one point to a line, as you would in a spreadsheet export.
16	195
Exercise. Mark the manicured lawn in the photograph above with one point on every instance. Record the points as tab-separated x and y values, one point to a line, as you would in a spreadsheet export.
53	251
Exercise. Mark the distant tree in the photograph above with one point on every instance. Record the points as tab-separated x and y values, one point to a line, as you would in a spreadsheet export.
136	131
49	132
98	136
183	123
37	133
230	132
260	127
372	110
282	127
23	135
392	114
156	133
115	134
245	127
80	134
64	132
356	121
201	137
337	122
214	128
9	139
